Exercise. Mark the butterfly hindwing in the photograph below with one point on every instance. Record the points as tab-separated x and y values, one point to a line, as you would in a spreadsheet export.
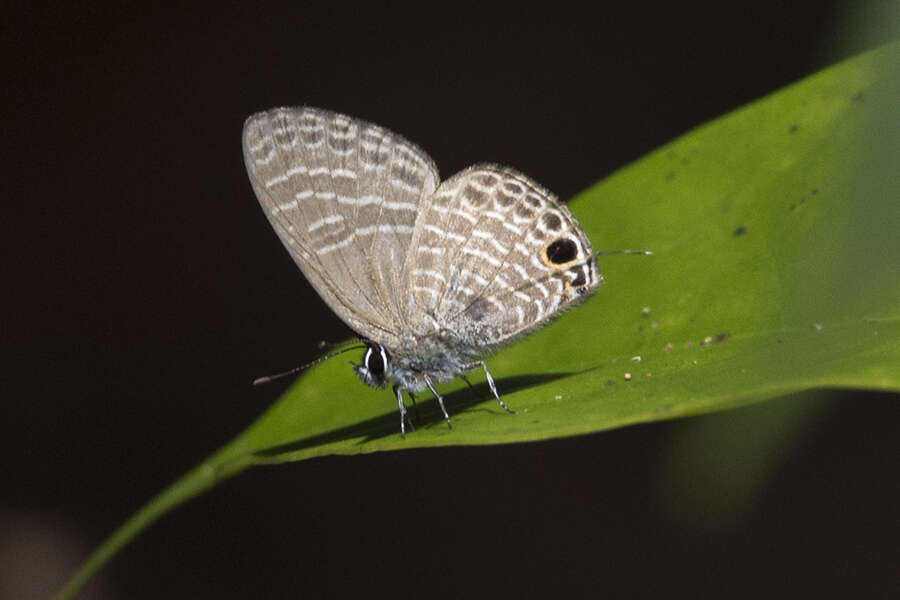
495	256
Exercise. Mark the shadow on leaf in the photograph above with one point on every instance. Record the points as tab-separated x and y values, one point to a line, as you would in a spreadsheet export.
425	415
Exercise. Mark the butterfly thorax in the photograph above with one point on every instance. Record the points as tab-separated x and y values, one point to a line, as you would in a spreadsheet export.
439	357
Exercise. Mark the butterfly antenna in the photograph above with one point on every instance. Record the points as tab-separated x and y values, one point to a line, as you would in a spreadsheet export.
608	252
268	378
326	345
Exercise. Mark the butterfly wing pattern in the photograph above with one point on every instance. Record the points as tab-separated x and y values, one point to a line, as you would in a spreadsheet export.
343	196
496	257
433	276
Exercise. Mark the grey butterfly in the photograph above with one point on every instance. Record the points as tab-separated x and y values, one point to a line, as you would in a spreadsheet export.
434	276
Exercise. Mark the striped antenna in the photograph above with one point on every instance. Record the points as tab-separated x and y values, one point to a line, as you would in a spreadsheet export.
608	252
268	378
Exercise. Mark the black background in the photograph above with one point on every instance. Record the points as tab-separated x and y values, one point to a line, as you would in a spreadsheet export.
146	290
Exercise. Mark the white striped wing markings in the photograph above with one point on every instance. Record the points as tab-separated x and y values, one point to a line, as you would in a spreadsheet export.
454	211
520	312
442	234
312	172
493	261
329	220
483	255
430	273
362	232
284	177
369	199
499	280
364	201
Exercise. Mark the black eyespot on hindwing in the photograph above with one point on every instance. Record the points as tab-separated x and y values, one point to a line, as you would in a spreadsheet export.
561	251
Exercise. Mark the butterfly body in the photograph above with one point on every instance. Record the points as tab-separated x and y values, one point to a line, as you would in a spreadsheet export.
434	357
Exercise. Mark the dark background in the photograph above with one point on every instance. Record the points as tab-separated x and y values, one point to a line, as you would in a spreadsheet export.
145	290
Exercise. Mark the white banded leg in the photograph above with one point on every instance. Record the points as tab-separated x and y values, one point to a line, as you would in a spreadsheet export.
440	400
403	417
491	383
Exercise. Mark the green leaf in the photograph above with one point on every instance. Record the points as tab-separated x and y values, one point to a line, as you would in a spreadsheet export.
776	269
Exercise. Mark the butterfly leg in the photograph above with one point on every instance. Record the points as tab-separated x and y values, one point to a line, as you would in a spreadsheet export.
415	406
468	383
403	416
491	383
440	399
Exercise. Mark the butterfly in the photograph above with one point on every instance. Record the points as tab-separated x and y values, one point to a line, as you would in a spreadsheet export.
433	275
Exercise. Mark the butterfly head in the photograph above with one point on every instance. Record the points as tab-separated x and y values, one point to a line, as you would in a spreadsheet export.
375	366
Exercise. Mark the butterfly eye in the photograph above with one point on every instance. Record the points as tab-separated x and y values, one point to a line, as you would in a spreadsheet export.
375	360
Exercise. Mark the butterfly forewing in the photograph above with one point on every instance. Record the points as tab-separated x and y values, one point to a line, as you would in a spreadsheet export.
343	196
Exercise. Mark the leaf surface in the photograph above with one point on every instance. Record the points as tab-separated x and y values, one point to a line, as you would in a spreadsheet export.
776	269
